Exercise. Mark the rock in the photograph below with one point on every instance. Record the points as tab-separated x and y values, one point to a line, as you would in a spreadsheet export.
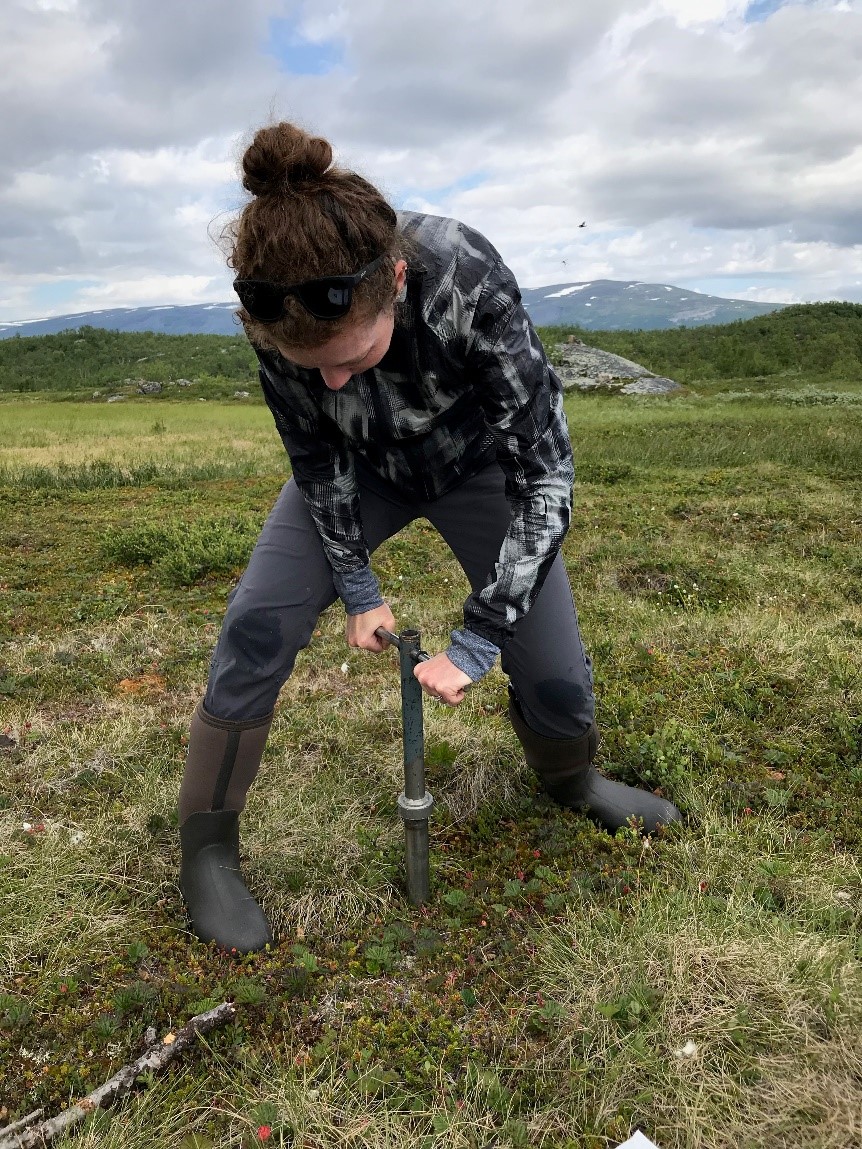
240	394
115	398
184	383
145	387
654	385
588	368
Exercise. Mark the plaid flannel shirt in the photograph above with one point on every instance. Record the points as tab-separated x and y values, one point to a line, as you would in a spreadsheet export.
465	381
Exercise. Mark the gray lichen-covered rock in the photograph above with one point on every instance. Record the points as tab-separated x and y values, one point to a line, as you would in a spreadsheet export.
651	385
589	369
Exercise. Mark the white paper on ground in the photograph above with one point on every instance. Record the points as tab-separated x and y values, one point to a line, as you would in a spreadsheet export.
638	1141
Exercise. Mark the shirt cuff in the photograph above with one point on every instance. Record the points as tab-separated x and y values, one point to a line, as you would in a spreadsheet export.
471	653
358	590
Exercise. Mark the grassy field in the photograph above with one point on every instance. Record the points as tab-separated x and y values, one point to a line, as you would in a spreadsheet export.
564	986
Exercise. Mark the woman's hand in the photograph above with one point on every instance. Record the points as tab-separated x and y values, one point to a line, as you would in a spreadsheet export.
361	628
442	680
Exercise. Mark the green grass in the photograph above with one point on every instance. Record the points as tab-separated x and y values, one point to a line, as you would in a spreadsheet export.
88	446
564	986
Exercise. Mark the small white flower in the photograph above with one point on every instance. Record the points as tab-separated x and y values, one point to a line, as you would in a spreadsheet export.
26	827
344	668
688	1050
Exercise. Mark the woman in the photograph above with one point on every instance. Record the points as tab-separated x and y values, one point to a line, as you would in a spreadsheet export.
406	381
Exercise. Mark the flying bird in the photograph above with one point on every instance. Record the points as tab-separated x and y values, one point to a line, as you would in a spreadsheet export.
583	223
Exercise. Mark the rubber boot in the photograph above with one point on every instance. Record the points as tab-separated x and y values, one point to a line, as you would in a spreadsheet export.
219	903
223	760
565	768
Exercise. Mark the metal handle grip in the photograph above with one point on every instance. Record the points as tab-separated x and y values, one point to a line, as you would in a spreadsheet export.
416	655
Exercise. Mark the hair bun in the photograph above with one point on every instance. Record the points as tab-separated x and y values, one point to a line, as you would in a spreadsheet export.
281	157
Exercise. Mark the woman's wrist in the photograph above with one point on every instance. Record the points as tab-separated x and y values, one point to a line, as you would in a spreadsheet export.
358	590
471	653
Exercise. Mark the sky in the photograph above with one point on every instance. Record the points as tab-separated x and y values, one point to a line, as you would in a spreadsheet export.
711	144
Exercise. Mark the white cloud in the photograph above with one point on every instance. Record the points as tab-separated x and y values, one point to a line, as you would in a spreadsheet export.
767	295
174	166
175	289
696	145
54	5
694	12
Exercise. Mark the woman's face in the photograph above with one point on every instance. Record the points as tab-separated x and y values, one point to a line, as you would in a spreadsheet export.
354	350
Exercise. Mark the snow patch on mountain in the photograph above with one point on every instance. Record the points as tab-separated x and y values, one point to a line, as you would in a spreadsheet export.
568	291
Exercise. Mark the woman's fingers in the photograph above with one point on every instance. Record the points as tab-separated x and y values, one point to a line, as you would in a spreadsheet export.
442	680
361	628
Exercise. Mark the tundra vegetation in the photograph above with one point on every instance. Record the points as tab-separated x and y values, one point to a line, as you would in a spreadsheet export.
563	986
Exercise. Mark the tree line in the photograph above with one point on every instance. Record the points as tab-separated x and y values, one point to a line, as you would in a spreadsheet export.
816	339
87	359
811	339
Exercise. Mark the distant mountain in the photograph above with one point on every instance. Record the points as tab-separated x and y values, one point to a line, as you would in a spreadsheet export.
603	304
198	319
612	305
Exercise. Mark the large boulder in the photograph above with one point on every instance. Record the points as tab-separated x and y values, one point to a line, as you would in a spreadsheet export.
589	369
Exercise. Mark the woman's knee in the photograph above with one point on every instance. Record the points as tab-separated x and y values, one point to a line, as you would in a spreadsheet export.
255	656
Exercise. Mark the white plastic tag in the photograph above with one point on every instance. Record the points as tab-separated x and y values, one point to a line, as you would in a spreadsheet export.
638	1141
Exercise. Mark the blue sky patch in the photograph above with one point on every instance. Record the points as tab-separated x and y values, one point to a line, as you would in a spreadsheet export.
299	56
760	10
466	183
413	199
54	298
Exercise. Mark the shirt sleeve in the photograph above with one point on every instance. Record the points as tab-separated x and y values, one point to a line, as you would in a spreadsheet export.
323	471
522	404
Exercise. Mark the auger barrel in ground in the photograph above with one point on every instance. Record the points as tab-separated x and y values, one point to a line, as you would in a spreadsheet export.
414	802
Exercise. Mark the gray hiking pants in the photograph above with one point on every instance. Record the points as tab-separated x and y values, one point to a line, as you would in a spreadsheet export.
273	611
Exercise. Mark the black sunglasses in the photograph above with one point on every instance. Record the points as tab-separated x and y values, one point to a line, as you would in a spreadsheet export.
327	298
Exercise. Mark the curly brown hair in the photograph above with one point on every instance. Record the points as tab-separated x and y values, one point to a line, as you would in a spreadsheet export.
308	219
